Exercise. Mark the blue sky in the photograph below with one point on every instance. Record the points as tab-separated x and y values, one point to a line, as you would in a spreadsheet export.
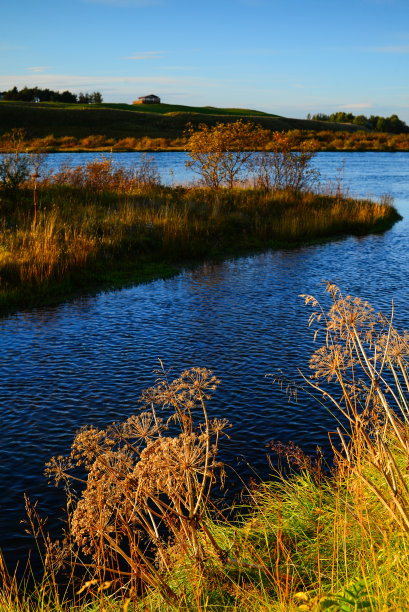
288	57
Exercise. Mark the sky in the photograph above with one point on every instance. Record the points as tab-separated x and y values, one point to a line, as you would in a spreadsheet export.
289	57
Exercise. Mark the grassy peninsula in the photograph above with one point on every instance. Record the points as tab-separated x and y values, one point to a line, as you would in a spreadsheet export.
86	239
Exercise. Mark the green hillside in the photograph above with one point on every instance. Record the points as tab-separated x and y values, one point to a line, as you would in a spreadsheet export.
123	120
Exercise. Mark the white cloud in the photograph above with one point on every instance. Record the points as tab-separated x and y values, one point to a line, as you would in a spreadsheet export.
37	69
144	55
357	106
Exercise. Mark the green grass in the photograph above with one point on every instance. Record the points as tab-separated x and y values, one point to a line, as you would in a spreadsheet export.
126	120
161	109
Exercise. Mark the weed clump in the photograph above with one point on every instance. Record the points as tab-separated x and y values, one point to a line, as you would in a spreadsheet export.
146	489
105	176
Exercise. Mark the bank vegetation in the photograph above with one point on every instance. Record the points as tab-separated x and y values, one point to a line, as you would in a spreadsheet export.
321	140
144	531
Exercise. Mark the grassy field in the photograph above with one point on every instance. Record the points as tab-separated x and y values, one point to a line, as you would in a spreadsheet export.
126	120
161	109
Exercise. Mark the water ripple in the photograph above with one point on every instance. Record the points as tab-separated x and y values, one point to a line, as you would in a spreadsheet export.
88	360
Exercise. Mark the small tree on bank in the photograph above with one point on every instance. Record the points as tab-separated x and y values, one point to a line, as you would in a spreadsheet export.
221	154
16	165
226	153
282	167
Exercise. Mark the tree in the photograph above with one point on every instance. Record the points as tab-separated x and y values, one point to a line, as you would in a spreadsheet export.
67	96
284	168
84	98
396	125
96	97
320	117
381	125
222	153
360	120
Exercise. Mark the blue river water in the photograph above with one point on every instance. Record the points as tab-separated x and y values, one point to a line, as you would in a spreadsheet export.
88	359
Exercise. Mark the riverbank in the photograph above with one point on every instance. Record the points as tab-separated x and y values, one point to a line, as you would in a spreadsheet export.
81	240
315	537
319	140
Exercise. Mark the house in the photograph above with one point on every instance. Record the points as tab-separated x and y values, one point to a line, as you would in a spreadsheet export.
151	99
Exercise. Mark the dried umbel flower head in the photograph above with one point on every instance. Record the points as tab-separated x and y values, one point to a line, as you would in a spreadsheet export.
347	315
351	313
142	427
367	359
394	347
184	394
331	362
146	486
89	443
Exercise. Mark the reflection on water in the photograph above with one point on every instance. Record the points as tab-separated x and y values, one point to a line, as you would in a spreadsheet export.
88	360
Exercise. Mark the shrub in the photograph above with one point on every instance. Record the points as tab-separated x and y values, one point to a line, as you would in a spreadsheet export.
223	153
104	175
16	165
368	359
284	168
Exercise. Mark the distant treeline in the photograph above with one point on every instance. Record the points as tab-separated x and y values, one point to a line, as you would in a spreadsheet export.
35	94
380	124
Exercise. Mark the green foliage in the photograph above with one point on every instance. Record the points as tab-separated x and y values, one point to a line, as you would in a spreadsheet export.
380	124
351	599
35	94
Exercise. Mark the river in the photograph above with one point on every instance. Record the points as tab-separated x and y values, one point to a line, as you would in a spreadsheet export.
87	360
